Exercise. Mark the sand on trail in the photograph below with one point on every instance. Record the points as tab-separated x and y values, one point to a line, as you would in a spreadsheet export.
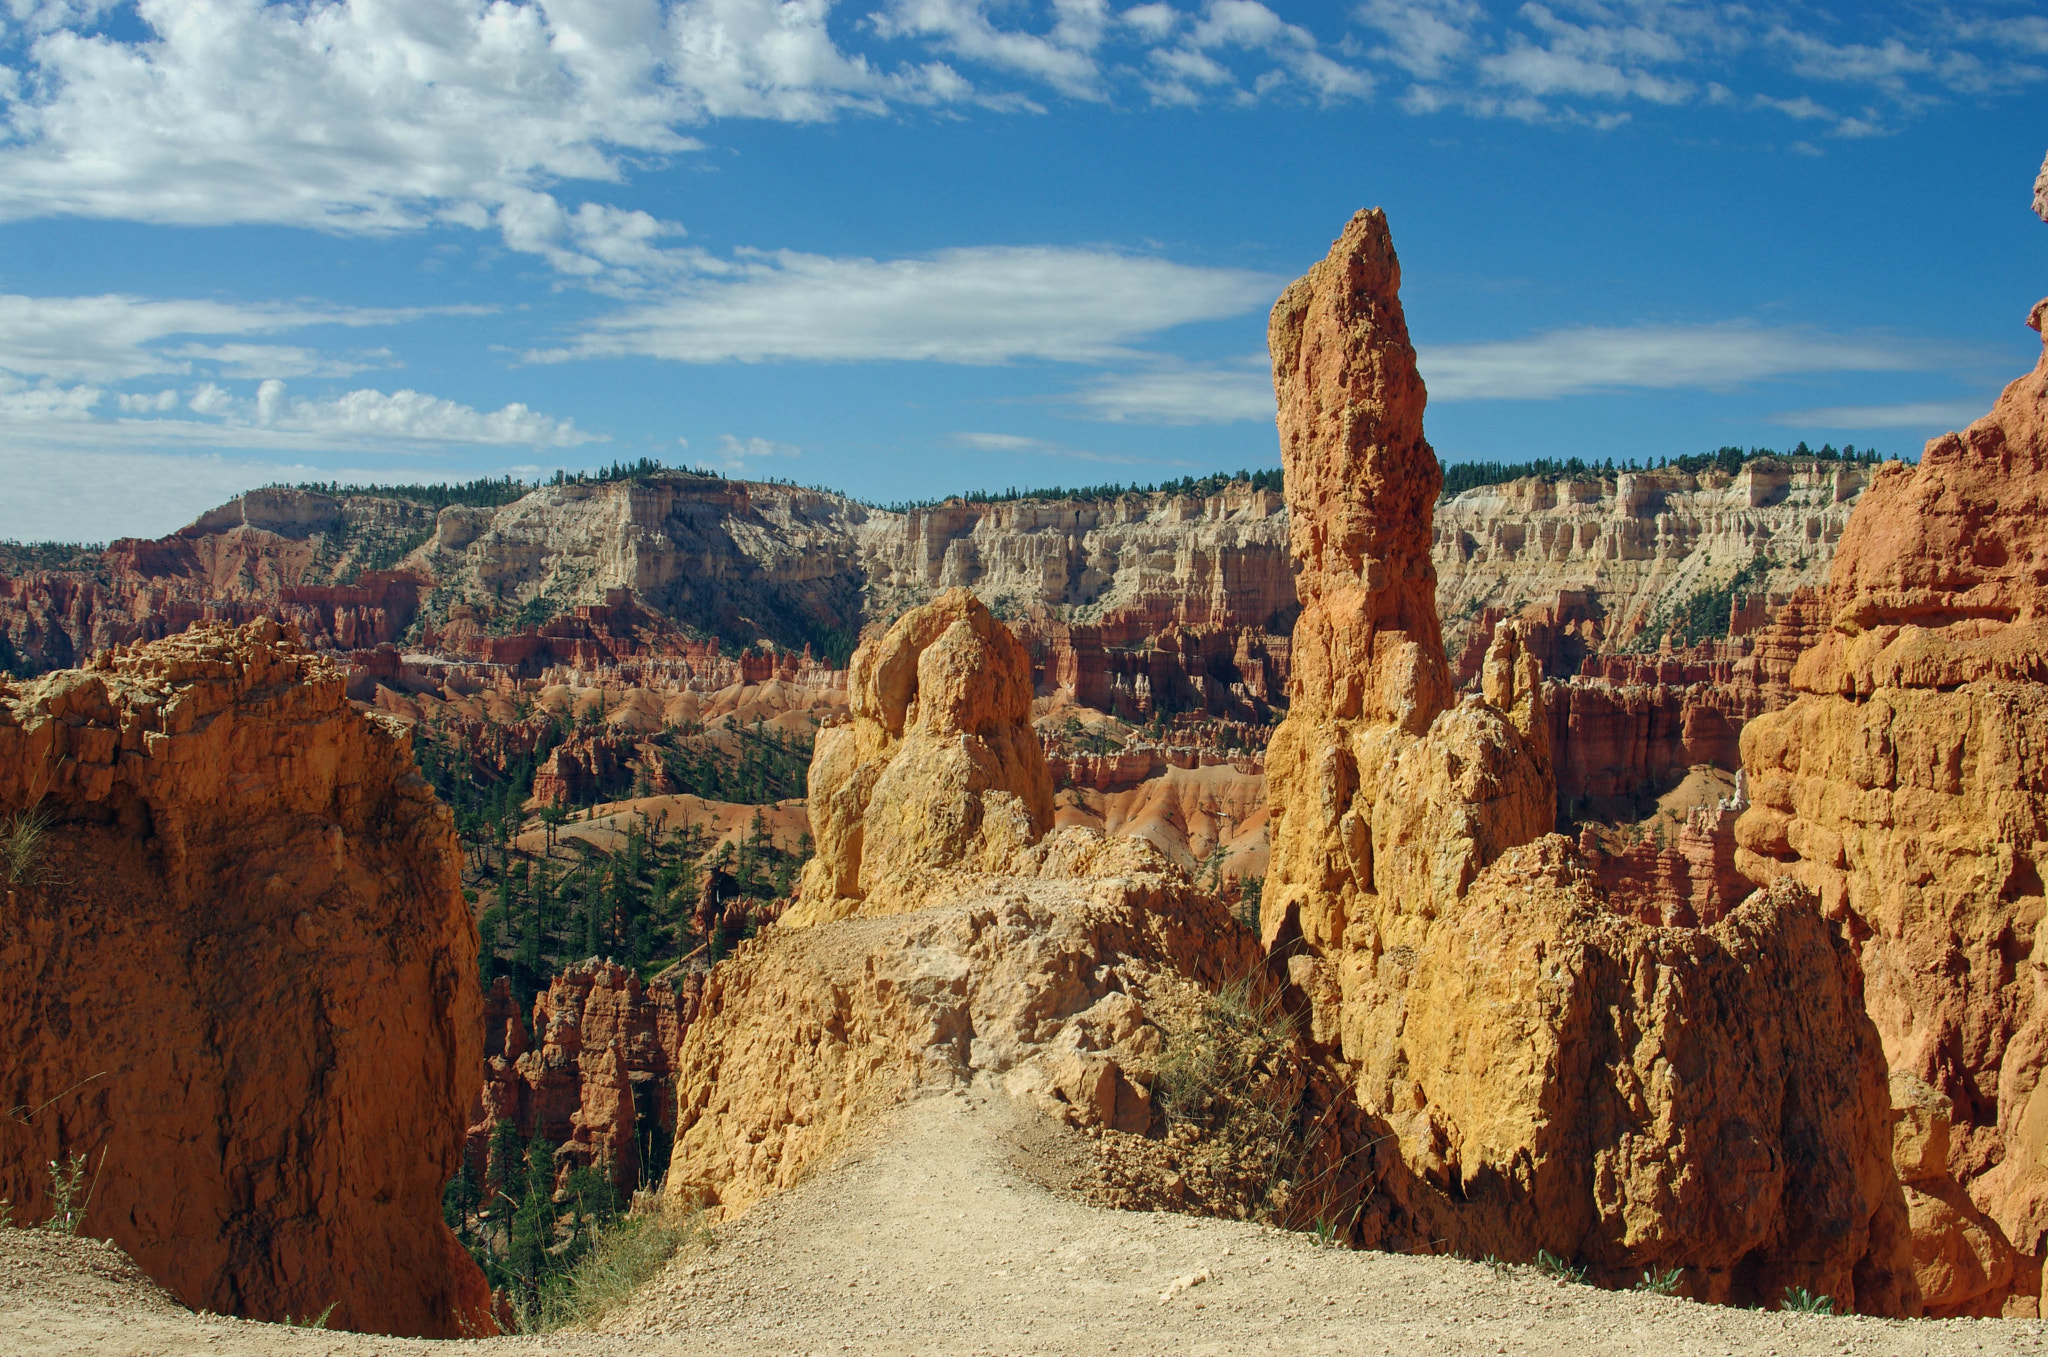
938	1233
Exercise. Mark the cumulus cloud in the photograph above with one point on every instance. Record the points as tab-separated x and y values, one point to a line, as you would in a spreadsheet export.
971	305
1651	357
737	455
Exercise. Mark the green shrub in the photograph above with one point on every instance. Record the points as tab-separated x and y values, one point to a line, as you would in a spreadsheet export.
621	1259
1550	1265
1800	1301
1658	1283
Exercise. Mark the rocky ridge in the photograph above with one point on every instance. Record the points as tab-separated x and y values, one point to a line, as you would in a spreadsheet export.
238	982
1530	1069
1906	785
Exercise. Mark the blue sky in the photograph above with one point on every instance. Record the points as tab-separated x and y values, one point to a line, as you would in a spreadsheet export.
908	247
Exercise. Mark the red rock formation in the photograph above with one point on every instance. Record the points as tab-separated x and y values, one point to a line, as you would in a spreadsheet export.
598	1084
1907	786
1497	1041
1691	882
240	982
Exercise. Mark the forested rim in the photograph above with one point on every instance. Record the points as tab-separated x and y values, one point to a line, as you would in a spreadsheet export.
1462	476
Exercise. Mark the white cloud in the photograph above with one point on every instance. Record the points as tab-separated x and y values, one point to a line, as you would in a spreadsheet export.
110	338
1017	445
736	455
973	305
1183	394
403	416
1650	357
1909	415
1063	56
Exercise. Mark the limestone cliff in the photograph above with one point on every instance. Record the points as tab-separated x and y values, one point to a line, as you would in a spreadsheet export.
1609	558
1908	786
239	981
937	772
1530	1069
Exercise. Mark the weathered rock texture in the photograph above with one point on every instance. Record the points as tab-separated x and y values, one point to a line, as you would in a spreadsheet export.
241	983
1533	1070
938	771
1908	787
1043	984
2041	192
597	1085
1600	560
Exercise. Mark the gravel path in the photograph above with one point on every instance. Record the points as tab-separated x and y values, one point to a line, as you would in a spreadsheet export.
937	1236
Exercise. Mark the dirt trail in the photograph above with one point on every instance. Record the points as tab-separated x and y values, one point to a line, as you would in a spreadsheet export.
937	1235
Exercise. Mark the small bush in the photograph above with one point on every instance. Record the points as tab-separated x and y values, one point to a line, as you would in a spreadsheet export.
67	1195
1658	1283
24	843
619	1262
1218	1075
1800	1301
1550	1265
318	1321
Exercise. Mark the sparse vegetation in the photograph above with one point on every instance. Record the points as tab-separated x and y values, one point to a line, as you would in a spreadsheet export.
1658	1283
1704	614
68	1195
621	1258
1550	1265
1800	1301
318	1321
484	493
1462	476
24	846
1229	1075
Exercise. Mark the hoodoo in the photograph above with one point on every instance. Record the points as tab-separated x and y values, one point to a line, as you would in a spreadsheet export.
939	771
1534	1071
1908	786
238	983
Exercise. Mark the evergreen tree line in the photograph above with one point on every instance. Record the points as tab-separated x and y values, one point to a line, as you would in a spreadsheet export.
1463	476
484	494
511	1222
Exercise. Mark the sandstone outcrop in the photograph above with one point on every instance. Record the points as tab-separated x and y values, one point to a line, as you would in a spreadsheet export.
2041	192
938	771
1908	786
594	1077
239	982
1531	1070
1041	985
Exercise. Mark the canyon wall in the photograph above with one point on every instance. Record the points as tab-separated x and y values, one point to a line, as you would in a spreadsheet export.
1529	1068
238	980
1908	786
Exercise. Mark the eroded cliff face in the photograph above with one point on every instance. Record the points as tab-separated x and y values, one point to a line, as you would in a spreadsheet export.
1908	786
1609	558
240	982
1538	1071
593	1077
938	771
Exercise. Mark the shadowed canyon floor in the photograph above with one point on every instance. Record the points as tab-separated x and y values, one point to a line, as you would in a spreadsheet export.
943	1231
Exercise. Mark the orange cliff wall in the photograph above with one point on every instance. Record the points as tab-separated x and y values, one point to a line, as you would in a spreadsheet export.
240	981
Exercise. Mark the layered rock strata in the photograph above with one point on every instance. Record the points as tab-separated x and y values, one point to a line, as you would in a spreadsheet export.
238	980
937	772
1530	1069
594	1076
1908	786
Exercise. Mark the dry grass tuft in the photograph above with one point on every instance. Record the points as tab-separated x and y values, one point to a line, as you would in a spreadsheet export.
625	1258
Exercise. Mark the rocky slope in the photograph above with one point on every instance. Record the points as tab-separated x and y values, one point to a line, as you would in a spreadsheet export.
238	982
1908	786
1530	1069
